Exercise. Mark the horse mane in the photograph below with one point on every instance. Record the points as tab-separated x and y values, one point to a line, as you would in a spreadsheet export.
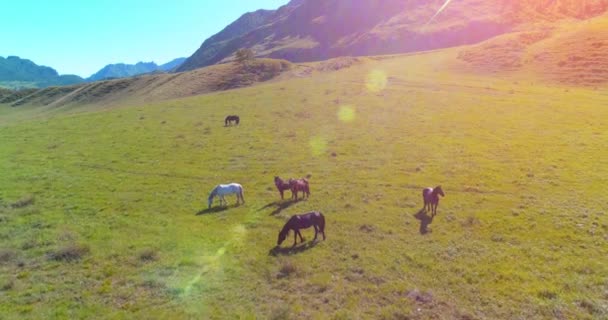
286	228
213	192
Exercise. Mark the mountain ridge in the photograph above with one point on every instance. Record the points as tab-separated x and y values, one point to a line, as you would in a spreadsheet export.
16	72
307	30
123	70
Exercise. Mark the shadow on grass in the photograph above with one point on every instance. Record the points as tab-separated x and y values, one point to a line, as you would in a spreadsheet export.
425	220
280	251
215	210
279	206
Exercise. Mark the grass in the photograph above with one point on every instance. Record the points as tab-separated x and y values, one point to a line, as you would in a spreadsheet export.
521	232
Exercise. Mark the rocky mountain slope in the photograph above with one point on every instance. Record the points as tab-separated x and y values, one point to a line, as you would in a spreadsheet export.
308	30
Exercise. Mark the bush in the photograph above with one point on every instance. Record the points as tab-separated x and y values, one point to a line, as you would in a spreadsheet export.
244	55
70	252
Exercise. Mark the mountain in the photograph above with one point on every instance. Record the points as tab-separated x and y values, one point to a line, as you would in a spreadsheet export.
122	70
213	48
22	73
172	65
309	30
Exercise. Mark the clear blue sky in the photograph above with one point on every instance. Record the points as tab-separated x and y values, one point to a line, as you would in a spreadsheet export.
82	36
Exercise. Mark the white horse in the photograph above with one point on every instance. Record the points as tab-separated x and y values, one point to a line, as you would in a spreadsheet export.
223	189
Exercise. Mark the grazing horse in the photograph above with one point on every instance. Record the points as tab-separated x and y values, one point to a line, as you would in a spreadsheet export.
299	185
231	118
303	221
431	198
223	189
281	185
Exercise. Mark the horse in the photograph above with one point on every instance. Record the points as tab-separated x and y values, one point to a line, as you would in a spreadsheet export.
281	185
223	189
299	185
231	118
303	221
431	198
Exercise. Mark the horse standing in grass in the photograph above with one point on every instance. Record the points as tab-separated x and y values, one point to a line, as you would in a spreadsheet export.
302	221
431	199
281	185
223	189
229	119
297	185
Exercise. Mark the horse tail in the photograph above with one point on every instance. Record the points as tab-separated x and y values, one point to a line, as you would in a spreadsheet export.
322	224
241	194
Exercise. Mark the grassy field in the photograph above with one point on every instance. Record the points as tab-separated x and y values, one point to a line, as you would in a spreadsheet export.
102	211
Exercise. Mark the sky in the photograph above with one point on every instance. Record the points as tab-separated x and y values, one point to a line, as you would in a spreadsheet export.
82	36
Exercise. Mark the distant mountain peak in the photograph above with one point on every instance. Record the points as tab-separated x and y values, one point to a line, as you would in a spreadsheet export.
16	72
123	70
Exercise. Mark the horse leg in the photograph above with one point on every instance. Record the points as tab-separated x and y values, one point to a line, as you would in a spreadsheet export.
295	237
281	191
316	232
300	234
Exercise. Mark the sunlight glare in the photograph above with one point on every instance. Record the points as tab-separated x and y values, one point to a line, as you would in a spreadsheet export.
318	145
376	81
346	114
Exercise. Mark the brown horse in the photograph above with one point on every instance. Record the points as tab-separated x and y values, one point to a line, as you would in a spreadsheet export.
302	221
431	199
281	185
231	118
299	185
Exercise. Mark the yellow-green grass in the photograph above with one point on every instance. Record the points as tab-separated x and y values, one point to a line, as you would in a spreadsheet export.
521	233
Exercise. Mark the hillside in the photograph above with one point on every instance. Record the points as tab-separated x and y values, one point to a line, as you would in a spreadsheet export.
121	70
103	211
22	73
317	30
569	53
154	87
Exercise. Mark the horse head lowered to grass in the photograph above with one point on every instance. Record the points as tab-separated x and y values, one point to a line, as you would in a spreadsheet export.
302	221
230	119
224	189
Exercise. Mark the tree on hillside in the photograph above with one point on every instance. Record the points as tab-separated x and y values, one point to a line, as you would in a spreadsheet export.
244	55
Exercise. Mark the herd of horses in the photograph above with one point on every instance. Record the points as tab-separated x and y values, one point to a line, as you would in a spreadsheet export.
430	197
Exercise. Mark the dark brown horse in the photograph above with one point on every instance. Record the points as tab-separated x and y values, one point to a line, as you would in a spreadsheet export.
302	221
281	185
297	185
431	199
231	118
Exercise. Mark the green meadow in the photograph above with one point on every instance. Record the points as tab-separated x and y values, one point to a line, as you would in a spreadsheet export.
103	210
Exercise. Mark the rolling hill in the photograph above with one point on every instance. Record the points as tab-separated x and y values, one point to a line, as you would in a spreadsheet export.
154	87
568	53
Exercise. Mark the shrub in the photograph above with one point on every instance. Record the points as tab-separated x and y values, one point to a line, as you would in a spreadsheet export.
244	55
70	252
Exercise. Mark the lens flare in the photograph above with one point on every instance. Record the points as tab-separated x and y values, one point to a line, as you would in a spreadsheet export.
346	114
376	81
445	5
318	146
